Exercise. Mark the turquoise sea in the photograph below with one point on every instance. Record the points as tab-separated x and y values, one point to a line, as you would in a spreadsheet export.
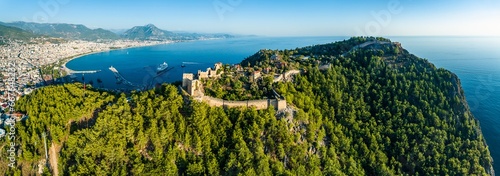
476	60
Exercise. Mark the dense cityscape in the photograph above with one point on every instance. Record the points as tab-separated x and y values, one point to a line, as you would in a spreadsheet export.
29	58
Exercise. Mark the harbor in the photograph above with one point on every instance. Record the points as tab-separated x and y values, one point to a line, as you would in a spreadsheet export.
120	79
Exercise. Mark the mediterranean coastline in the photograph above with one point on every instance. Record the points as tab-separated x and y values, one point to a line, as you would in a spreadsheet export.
475	70
231	87
260	82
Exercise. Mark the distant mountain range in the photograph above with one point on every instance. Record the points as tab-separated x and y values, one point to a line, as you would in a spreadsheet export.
148	32
62	30
151	32
81	32
9	32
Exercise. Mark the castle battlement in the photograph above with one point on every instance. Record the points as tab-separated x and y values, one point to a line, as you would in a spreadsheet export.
194	88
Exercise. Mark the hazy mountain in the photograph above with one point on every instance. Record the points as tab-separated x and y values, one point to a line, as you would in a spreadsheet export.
9	32
81	32
148	32
69	31
151	32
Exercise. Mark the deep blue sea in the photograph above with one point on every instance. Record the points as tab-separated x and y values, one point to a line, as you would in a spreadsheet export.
476	61
138	65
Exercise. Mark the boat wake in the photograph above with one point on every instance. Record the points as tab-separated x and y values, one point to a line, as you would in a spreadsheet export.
191	63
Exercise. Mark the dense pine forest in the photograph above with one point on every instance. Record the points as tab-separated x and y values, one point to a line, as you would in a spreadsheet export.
357	108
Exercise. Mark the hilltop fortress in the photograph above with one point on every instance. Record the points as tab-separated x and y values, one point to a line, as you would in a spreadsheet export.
194	87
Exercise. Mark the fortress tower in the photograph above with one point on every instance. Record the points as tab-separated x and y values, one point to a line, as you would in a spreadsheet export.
186	79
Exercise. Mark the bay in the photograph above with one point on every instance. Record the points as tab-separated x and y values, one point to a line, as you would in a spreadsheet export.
138	65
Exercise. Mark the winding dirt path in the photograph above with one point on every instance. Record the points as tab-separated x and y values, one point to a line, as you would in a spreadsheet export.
54	149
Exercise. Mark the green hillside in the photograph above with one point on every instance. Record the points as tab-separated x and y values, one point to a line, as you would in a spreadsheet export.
7	32
376	110
66	31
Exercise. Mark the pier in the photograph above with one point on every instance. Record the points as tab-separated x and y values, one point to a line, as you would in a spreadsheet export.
86	71
70	72
119	78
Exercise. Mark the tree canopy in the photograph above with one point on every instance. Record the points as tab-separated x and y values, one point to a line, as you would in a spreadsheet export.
375	111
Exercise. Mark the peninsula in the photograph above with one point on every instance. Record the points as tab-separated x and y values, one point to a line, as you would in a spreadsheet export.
362	106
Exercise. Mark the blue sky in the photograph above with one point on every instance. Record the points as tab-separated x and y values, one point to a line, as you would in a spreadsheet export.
271	18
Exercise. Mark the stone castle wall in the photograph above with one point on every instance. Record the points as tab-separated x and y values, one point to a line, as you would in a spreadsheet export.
194	88
258	104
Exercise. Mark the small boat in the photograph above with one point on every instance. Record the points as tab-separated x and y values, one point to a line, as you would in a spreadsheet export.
113	69
162	67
